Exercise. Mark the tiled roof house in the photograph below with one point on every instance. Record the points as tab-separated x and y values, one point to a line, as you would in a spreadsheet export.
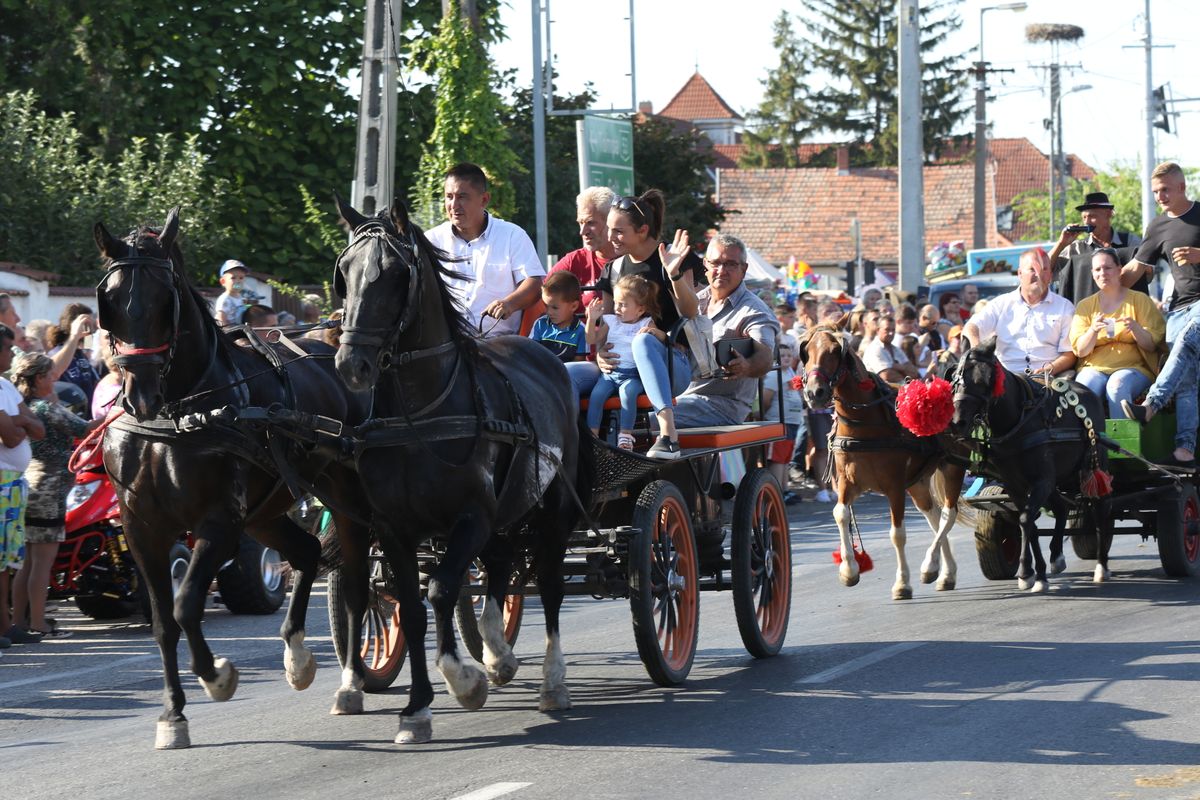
698	104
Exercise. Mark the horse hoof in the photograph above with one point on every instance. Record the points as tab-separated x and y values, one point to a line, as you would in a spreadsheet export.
902	593
300	672
1023	584
928	577
1058	565
1100	575
347	701
476	692
225	684
946	584
558	699
849	580
172	735
1039	587
416	729
502	670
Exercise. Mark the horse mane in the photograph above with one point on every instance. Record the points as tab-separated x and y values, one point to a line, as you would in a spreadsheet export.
460	326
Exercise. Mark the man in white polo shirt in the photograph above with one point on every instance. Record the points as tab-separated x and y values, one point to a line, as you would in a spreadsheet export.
1031	323
502	274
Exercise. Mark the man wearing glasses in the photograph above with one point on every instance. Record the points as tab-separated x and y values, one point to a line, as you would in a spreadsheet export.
736	313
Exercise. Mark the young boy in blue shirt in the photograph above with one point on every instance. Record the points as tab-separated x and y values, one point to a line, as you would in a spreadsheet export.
559	329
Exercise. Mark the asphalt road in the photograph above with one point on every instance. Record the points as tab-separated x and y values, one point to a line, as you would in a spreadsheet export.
983	692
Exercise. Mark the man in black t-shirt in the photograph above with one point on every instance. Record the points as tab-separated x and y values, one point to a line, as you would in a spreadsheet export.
1174	235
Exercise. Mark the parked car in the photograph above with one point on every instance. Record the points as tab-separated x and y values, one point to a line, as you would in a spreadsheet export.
989	286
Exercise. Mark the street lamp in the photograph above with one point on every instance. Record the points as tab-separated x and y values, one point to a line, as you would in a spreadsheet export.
981	154
1059	174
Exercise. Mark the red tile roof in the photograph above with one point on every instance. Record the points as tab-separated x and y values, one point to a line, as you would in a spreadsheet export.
1022	167
27	271
806	213
725	156
698	100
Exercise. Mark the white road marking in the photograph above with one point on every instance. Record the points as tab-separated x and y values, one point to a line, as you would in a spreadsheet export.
59	676
855	664
493	790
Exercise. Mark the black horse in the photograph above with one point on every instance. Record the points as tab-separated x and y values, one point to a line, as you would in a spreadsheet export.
179	462
1040	444
474	438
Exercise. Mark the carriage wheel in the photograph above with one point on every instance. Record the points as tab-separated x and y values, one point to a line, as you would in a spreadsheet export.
664	585
1178	533
469	607
761	556
382	644
997	541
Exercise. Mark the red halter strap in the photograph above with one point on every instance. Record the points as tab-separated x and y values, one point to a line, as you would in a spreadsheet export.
126	350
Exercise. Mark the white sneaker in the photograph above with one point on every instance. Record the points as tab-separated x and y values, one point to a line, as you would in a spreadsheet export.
825	496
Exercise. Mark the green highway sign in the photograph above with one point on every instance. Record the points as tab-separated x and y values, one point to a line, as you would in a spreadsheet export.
605	153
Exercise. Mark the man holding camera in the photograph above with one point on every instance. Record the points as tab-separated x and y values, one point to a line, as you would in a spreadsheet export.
1072	255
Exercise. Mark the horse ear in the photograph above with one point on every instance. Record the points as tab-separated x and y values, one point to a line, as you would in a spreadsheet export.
170	230
109	247
988	345
347	212
399	212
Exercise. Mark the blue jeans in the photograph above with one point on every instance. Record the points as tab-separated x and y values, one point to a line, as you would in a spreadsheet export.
622	382
1122	384
1179	374
583	376
650	355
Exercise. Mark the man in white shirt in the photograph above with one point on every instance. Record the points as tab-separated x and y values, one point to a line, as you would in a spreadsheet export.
1031	323
502	274
886	359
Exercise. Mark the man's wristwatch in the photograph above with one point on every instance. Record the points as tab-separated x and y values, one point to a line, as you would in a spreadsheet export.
677	277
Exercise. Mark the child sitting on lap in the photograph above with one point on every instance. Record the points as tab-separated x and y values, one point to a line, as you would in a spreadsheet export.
635	301
559	329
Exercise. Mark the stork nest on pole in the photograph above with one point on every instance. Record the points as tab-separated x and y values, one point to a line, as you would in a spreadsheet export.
1053	32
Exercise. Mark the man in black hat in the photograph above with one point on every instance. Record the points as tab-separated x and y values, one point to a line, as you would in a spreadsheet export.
1072	255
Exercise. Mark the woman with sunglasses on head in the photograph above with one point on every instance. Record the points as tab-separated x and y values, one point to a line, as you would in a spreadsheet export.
634	226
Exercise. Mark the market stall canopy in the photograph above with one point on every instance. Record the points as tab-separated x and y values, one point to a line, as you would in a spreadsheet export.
760	269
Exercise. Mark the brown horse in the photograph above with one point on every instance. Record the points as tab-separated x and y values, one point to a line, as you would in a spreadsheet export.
871	450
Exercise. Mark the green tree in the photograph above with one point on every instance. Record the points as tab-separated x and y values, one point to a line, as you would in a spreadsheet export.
469	121
1121	181
52	191
783	118
676	163
854	43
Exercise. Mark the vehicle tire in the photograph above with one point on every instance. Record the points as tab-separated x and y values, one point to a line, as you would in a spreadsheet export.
997	541
1084	544
178	561
1178	532
761	562
254	582
664	589
383	646
101	607
467	611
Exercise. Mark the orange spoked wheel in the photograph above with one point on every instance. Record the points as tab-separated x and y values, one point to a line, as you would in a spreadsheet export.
761	558
664	589
470	606
382	645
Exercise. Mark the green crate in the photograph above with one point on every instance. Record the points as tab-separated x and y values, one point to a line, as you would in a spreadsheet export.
1153	441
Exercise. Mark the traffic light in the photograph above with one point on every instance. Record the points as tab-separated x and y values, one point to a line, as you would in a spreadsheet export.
1161	118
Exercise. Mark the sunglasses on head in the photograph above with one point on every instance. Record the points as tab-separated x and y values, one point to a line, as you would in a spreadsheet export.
627	204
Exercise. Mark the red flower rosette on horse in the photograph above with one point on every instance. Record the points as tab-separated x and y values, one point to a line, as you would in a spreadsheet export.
925	407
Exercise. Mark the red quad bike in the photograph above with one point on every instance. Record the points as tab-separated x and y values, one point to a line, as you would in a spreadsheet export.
95	565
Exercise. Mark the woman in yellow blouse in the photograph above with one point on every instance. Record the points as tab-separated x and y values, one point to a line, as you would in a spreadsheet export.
1117	334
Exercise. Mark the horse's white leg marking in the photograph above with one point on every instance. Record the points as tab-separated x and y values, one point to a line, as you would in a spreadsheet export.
1039	586
349	697
949	575
298	662
901	590
931	564
498	658
848	571
172	735
225	684
466	682
555	695
1101	574
416	728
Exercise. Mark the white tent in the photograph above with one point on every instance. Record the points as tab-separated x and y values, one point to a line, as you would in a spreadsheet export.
760	269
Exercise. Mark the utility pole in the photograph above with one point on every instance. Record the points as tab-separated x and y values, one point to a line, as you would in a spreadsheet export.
1148	204
912	187
981	150
375	149
1055	139
541	234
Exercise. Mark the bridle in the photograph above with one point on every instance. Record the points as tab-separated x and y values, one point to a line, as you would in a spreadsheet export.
839	373
385	338
130	354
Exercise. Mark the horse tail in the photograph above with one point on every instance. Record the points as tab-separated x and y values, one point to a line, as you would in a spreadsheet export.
939	490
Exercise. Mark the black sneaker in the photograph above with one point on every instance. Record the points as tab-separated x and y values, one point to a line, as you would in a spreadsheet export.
1136	412
790	498
664	449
